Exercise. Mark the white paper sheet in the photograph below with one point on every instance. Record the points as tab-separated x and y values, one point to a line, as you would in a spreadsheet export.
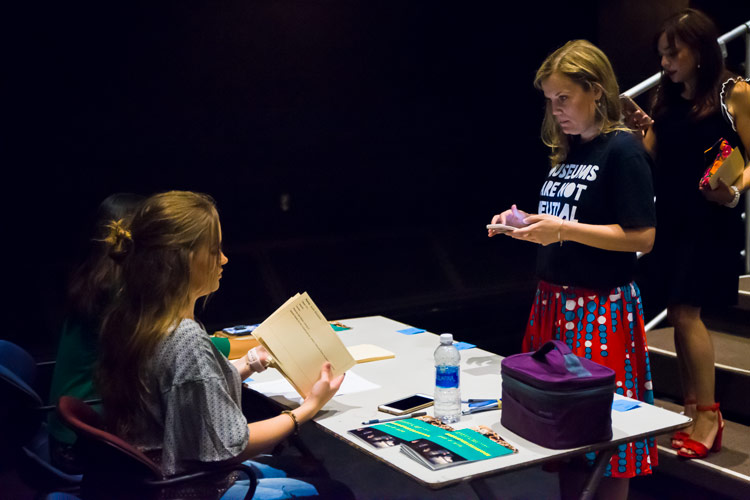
281	387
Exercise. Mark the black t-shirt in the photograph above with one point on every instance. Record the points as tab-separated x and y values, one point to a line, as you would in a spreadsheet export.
604	181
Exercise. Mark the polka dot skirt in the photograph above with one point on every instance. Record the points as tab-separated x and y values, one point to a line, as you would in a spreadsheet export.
606	328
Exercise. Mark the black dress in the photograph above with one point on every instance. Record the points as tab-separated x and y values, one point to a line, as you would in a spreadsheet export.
698	242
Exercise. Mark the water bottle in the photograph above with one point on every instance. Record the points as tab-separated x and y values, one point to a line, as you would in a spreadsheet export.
447	374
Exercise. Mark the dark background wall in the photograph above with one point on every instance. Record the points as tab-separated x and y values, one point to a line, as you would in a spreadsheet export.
355	149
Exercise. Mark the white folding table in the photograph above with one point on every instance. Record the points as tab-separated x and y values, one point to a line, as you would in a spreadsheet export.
412	371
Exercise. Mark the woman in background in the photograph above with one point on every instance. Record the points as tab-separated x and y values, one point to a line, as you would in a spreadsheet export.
92	287
165	387
697	253
596	210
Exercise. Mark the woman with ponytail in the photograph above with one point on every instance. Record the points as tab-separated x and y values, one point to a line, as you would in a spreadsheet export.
91	289
164	386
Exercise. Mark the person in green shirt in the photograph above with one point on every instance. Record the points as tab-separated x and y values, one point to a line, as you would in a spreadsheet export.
90	291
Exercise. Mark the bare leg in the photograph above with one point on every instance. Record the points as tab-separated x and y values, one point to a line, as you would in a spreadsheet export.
697	351
686	379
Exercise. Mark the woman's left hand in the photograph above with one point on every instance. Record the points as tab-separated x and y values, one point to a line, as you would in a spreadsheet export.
542	229
721	195
263	355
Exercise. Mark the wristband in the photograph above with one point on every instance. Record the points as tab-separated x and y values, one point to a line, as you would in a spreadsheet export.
736	198
294	419
253	361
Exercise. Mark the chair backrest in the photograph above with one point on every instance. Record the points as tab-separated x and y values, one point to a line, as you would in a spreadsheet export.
102	451
17	361
20	417
115	469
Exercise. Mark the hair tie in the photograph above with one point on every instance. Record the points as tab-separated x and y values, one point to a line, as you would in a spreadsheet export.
119	238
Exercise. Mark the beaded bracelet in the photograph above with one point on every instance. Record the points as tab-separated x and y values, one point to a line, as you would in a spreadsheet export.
254	362
294	419
736	198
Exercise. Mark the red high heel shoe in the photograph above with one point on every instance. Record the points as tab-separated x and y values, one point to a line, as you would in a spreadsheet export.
680	437
697	449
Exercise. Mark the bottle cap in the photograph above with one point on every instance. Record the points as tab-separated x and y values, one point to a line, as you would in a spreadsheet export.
446	338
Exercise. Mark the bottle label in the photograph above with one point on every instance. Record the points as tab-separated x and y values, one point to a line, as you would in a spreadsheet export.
446	377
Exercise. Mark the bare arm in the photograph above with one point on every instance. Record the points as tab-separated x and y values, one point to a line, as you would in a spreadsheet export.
739	106
610	236
545	229
266	434
649	142
242	366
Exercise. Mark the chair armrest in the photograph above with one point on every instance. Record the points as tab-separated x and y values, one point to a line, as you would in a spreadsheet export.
52	407
170	481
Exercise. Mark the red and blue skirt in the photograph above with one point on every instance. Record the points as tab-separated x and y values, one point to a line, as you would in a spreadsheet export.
608	328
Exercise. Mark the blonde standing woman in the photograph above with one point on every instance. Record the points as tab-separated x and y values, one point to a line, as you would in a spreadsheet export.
595	211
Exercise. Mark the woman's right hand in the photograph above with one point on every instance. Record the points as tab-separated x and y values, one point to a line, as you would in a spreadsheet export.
637	120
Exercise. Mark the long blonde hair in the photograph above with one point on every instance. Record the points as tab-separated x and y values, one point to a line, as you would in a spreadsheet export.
588	66
155	255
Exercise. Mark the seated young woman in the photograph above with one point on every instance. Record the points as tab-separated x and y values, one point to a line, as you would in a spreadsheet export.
164	385
91	289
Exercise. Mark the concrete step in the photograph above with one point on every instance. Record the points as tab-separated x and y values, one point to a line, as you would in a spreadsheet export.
732	371
727	472
733	320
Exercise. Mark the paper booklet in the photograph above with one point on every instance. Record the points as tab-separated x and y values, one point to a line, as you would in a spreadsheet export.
364	353
434	444
723	163
300	340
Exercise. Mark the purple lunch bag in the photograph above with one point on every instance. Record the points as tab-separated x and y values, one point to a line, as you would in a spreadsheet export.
556	399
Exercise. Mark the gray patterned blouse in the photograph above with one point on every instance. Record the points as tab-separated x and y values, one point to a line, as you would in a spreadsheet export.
193	402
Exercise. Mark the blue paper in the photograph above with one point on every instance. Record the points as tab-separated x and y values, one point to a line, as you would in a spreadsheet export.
625	405
410	331
483	403
463	345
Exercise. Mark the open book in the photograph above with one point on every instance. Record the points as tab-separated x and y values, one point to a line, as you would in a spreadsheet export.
300	340
434	444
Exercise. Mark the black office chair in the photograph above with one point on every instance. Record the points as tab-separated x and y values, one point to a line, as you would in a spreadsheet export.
23	429
116	469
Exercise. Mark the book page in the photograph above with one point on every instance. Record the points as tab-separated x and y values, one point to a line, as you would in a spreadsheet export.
300	339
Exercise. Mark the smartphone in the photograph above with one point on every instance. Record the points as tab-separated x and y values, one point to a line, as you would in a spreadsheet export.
500	228
629	106
240	329
406	405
